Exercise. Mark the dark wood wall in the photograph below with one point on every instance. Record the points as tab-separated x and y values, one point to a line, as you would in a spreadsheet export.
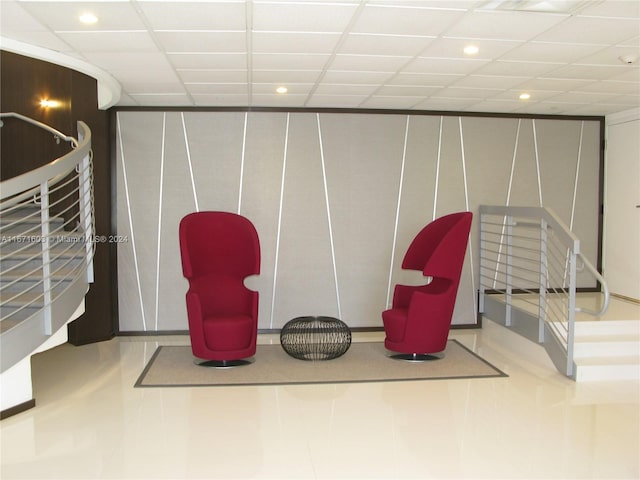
24	82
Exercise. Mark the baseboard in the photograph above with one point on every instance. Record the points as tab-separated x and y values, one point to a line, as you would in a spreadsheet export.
22	407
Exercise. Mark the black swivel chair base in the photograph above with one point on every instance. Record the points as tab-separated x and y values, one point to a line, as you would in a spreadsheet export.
417	357
223	363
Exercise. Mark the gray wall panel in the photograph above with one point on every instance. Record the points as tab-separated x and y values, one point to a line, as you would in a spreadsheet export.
332	238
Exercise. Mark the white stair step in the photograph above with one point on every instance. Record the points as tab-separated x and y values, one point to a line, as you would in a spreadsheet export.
604	327
606	346
608	368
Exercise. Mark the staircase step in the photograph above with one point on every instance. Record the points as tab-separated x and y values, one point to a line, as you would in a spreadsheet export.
608	368
606	346
605	327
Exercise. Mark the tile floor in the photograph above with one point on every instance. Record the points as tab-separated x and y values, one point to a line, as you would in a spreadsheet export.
90	423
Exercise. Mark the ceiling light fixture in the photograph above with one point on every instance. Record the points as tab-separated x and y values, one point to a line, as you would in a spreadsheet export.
88	18
471	50
525	96
282	90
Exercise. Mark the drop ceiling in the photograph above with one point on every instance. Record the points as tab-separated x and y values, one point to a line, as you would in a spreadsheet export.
569	56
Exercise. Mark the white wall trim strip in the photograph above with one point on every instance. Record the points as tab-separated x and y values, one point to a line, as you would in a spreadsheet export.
133	236
244	144
535	144
186	146
435	187
466	199
160	199
326	199
395	228
275	267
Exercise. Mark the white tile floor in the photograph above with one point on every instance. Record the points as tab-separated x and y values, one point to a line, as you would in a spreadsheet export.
90	423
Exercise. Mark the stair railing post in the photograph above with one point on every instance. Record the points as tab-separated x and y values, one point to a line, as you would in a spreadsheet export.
542	300
571	316
46	255
482	263
508	271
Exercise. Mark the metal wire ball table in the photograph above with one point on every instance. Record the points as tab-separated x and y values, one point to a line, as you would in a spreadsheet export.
315	338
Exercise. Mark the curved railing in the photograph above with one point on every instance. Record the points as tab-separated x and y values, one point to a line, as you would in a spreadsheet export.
46	245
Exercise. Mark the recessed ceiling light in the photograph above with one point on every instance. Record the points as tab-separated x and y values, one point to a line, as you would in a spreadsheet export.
471	50
282	90
525	96
88	18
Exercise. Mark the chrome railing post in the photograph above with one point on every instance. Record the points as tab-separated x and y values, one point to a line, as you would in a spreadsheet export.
482	262
509	271
542	301
46	255
571	314
86	204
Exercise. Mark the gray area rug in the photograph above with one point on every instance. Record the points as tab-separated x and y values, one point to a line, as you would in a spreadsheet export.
173	366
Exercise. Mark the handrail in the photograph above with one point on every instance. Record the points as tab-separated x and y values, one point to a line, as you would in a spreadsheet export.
41	125
47	242
605	288
529	277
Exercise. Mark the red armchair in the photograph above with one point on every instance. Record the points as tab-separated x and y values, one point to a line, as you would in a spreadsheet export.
417	326
219	250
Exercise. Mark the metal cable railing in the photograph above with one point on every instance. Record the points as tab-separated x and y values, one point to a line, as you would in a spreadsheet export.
529	261
46	236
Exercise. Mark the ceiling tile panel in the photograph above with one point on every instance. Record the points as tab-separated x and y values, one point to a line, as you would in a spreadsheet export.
368	44
64	16
218	88
285	77
194	15
368	63
427	79
381	101
443	65
296	61
407	90
363	78
294	42
277	101
161	100
498	25
217	100
301	17
340	89
223	61
589	72
454	48
550	52
213	76
399	20
592	30
295	89
333	101
489	81
221	42
110	41
517	68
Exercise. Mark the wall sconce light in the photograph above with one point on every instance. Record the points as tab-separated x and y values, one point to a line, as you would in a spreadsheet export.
46	103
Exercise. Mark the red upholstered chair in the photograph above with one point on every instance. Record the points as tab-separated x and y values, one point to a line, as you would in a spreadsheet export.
219	250
417	326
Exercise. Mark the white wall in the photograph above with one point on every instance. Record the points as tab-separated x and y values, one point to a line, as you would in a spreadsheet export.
621	258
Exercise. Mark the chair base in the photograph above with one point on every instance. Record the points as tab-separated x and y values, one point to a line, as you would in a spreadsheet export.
417	357
224	363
